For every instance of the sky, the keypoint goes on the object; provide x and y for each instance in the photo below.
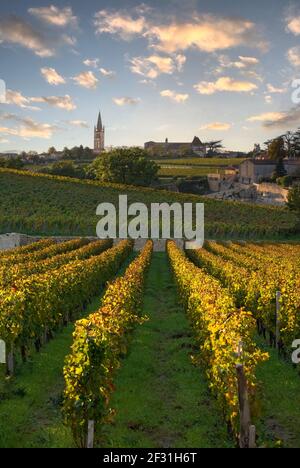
(220, 70)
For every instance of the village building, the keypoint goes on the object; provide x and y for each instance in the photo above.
(254, 170)
(196, 147)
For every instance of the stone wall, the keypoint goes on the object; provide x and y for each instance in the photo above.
(272, 191)
(12, 240)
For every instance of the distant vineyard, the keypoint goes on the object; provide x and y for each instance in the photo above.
(48, 205)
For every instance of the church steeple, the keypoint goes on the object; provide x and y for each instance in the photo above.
(99, 134)
(99, 123)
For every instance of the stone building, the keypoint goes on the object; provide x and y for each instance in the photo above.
(252, 170)
(177, 148)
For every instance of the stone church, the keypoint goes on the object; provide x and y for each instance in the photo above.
(99, 136)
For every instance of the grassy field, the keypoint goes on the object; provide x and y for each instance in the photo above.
(194, 166)
(184, 171)
(206, 162)
(49, 205)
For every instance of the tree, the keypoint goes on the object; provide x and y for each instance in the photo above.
(67, 153)
(14, 163)
(213, 147)
(296, 143)
(128, 166)
(289, 140)
(276, 150)
(63, 168)
(88, 153)
(51, 150)
(280, 170)
(294, 200)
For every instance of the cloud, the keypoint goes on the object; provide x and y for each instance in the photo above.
(70, 40)
(248, 61)
(124, 25)
(293, 55)
(292, 20)
(16, 98)
(79, 123)
(283, 119)
(242, 63)
(225, 84)
(275, 90)
(252, 74)
(91, 63)
(151, 67)
(266, 117)
(28, 128)
(268, 99)
(177, 97)
(86, 80)
(107, 73)
(3, 140)
(31, 129)
(216, 126)
(180, 61)
(293, 25)
(61, 102)
(123, 101)
(52, 77)
(208, 33)
(8, 131)
(14, 30)
(55, 16)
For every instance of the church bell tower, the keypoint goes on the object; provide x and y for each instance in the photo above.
(99, 134)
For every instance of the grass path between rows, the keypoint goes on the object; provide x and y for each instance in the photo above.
(161, 399)
(279, 420)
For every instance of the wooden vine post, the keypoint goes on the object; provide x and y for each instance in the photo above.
(7, 358)
(2, 352)
(277, 332)
(247, 438)
(90, 434)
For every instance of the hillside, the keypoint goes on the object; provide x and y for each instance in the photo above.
(43, 204)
